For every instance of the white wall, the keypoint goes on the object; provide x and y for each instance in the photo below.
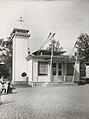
(36, 77)
(20, 52)
(30, 70)
(77, 71)
(35, 71)
(42, 78)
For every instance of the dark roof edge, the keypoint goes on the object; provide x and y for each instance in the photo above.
(19, 29)
(66, 57)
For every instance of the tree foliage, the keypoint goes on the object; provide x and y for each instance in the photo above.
(6, 56)
(82, 46)
(56, 46)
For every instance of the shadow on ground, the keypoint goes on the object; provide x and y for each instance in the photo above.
(82, 83)
(5, 102)
(9, 93)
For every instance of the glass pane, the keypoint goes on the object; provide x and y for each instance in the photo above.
(59, 72)
(59, 69)
(54, 65)
(54, 72)
(70, 68)
(59, 65)
(42, 68)
(54, 69)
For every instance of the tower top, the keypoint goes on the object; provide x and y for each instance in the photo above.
(20, 32)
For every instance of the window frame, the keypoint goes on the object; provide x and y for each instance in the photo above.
(40, 63)
(71, 72)
(60, 69)
(54, 69)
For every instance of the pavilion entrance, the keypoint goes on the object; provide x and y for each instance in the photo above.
(57, 73)
(62, 71)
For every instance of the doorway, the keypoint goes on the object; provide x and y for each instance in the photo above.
(56, 71)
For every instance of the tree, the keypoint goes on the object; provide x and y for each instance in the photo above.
(82, 46)
(6, 57)
(56, 46)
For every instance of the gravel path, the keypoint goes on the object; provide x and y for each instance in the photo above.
(64, 102)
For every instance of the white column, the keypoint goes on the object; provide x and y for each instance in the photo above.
(65, 71)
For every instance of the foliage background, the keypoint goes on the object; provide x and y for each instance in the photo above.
(6, 58)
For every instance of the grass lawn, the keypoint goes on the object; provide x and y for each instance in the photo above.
(63, 102)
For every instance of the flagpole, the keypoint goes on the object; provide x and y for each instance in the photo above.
(51, 58)
(51, 63)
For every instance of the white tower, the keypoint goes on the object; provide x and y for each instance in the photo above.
(20, 38)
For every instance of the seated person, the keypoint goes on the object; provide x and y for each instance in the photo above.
(4, 86)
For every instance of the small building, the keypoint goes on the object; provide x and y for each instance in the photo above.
(86, 72)
(87, 69)
(39, 66)
(63, 68)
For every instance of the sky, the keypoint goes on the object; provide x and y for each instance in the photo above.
(67, 18)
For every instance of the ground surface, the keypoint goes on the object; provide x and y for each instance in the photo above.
(63, 102)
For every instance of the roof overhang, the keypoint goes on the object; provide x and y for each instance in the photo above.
(62, 58)
(47, 52)
(20, 30)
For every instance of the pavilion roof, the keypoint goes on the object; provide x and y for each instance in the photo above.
(48, 52)
(61, 58)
